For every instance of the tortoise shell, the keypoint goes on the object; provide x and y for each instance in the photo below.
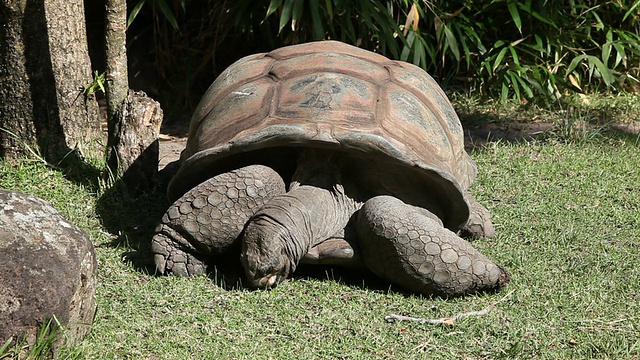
(390, 117)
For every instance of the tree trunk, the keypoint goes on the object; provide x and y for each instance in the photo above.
(116, 57)
(44, 65)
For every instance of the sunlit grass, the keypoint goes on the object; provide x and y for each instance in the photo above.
(567, 216)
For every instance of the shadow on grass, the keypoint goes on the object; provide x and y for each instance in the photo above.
(356, 278)
(131, 215)
(572, 124)
(228, 274)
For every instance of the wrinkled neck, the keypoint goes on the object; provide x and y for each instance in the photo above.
(317, 207)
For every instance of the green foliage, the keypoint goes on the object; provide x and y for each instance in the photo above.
(96, 84)
(518, 49)
(42, 346)
(370, 24)
(543, 48)
(161, 5)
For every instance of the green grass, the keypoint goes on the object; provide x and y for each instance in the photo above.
(567, 215)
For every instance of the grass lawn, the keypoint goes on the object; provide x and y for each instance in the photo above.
(567, 216)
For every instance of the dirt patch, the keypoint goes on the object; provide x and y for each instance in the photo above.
(632, 127)
(513, 132)
(170, 149)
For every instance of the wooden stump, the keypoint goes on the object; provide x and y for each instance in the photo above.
(133, 149)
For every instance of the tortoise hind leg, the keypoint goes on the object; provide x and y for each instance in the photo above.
(207, 220)
(479, 224)
(404, 245)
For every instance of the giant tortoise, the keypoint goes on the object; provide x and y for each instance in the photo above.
(372, 155)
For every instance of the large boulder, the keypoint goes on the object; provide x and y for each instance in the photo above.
(47, 268)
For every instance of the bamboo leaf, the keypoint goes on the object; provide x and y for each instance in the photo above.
(591, 66)
(537, 80)
(404, 55)
(412, 20)
(545, 20)
(514, 55)
(604, 71)
(166, 11)
(527, 89)
(606, 52)
(504, 95)
(620, 54)
(606, 47)
(539, 45)
(457, 12)
(498, 61)
(575, 62)
(134, 12)
(297, 14)
(631, 10)
(286, 14)
(273, 6)
(515, 43)
(452, 42)
(418, 53)
(317, 25)
(513, 9)
(599, 22)
(486, 65)
(329, 5)
(465, 47)
(423, 53)
(574, 82)
(514, 83)
(473, 35)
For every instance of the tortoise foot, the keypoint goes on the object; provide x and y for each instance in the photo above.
(479, 224)
(403, 245)
(175, 257)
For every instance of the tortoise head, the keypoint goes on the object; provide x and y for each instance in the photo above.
(266, 258)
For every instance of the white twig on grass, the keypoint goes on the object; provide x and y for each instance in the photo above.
(448, 320)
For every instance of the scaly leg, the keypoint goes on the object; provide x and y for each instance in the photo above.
(479, 224)
(207, 220)
(400, 243)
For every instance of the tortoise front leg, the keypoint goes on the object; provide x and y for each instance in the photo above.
(207, 220)
(402, 244)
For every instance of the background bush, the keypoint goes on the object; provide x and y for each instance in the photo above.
(528, 49)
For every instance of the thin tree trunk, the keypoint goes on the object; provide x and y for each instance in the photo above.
(116, 57)
(44, 65)
(134, 119)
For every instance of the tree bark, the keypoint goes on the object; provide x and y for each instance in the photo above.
(44, 65)
(116, 57)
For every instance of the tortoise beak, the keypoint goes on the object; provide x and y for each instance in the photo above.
(264, 273)
(265, 282)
